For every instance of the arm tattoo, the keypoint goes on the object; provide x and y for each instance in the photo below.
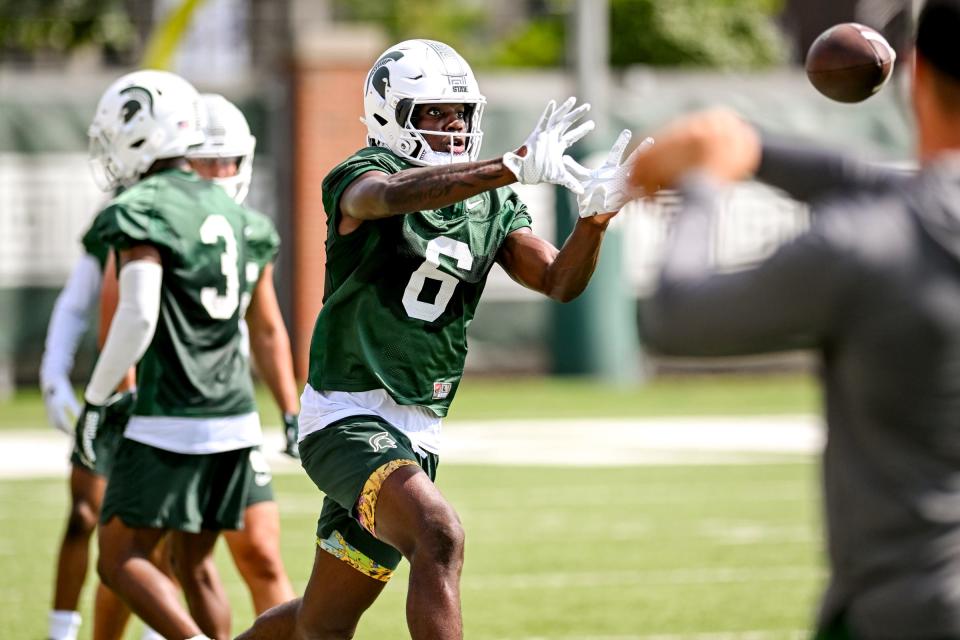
(436, 187)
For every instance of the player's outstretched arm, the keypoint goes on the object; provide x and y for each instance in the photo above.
(270, 345)
(376, 195)
(540, 159)
(563, 274)
(68, 322)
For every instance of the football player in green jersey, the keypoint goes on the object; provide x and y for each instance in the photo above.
(88, 479)
(415, 223)
(183, 464)
(226, 158)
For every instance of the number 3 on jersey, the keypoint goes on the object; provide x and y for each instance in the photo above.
(221, 307)
(430, 270)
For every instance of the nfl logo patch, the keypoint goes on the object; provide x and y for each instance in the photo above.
(441, 390)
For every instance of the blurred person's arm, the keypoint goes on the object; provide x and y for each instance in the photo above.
(133, 323)
(270, 346)
(68, 322)
(789, 301)
(808, 173)
(109, 295)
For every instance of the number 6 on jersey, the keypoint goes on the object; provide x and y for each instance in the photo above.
(430, 269)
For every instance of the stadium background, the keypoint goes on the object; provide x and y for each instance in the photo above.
(296, 68)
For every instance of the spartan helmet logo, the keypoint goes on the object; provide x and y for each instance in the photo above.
(137, 98)
(381, 441)
(379, 76)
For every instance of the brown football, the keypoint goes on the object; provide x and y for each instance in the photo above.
(849, 62)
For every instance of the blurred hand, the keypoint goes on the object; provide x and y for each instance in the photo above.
(86, 431)
(606, 189)
(717, 142)
(62, 406)
(291, 433)
(540, 159)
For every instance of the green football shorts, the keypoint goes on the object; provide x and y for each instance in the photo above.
(159, 489)
(108, 437)
(349, 460)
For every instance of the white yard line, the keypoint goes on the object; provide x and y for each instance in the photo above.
(702, 440)
(601, 442)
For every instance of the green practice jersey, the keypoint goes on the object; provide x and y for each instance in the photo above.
(401, 292)
(92, 240)
(263, 244)
(193, 367)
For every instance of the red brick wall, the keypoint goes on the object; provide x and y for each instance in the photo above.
(328, 103)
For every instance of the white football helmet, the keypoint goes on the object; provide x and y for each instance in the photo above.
(420, 72)
(227, 135)
(143, 117)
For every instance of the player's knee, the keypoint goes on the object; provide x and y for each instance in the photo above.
(442, 537)
(107, 568)
(260, 562)
(192, 574)
(82, 520)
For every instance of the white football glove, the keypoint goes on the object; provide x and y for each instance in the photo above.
(606, 189)
(545, 145)
(62, 406)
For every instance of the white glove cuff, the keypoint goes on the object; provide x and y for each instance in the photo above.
(514, 163)
(131, 330)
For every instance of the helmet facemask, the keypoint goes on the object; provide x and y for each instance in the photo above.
(228, 138)
(103, 164)
(419, 139)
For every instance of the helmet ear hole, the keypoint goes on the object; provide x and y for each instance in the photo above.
(379, 118)
(404, 107)
(468, 111)
(138, 143)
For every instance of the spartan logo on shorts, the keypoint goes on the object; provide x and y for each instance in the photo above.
(381, 441)
(441, 390)
(261, 468)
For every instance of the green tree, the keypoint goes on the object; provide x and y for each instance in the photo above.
(702, 33)
(59, 26)
(463, 24)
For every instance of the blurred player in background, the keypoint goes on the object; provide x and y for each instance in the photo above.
(874, 287)
(183, 464)
(226, 157)
(415, 223)
(88, 478)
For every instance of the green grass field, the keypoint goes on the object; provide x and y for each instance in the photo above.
(645, 552)
(551, 552)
